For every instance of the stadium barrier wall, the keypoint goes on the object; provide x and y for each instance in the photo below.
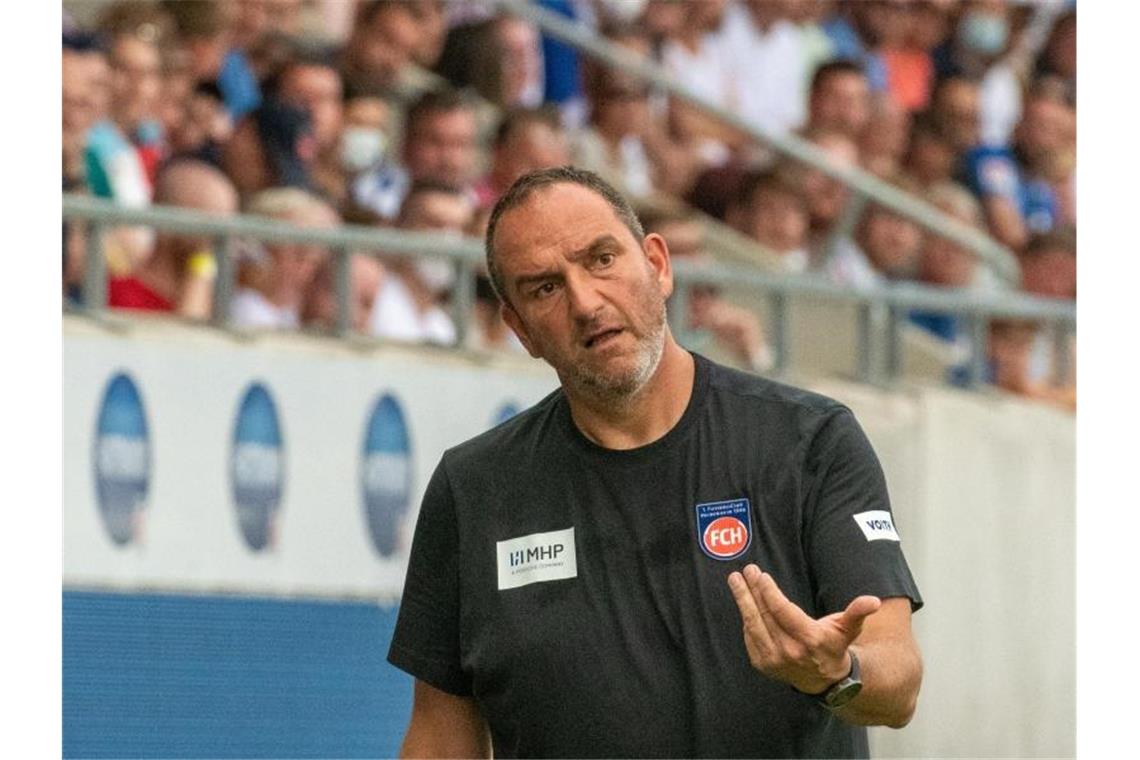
(238, 511)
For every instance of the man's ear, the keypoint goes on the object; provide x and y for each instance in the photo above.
(514, 321)
(657, 254)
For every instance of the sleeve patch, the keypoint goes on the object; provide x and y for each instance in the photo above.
(877, 525)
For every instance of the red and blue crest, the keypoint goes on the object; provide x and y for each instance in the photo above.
(724, 528)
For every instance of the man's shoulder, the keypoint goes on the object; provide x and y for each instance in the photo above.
(764, 394)
(506, 442)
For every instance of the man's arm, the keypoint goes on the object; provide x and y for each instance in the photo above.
(786, 644)
(444, 725)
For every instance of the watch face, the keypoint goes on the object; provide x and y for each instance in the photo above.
(843, 693)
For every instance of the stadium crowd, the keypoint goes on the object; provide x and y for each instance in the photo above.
(418, 114)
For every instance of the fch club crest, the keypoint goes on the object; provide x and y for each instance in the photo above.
(724, 528)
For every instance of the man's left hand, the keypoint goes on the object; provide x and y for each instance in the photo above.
(787, 644)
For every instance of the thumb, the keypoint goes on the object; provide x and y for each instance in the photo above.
(851, 619)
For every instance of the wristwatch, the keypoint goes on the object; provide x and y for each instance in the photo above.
(845, 689)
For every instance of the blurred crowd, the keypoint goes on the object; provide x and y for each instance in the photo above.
(418, 114)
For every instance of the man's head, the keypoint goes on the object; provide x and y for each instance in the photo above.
(892, 243)
(138, 31)
(931, 153)
(1047, 131)
(365, 274)
(295, 263)
(945, 262)
(205, 30)
(1049, 264)
(528, 139)
(86, 87)
(582, 286)
(839, 99)
(770, 210)
(309, 81)
(198, 186)
(435, 207)
(956, 105)
(440, 139)
(825, 197)
(384, 38)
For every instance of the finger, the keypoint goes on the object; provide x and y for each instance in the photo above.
(787, 617)
(750, 614)
(861, 608)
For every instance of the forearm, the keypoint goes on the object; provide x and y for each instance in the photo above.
(891, 671)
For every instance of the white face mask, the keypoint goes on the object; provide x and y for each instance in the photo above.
(438, 275)
(624, 10)
(361, 148)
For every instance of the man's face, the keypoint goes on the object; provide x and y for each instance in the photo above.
(432, 211)
(298, 263)
(316, 89)
(442, 147)
(534, 146)
(842, 103)
(891, 242)
(86, 92)
(136, 80)
(381, 48)
(958, 109)
(583, 294)
(777, 220)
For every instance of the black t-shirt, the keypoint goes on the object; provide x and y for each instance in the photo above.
(580, 596)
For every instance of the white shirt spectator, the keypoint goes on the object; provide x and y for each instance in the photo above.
(999, 98)
(769, 69)
(250, 308)
(382, 189)
(395, 316)
(850, 267)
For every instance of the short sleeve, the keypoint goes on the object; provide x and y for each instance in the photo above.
(851, 540)
(426, 640)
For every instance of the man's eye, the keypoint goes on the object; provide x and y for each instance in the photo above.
(605, 259)
(543, 290)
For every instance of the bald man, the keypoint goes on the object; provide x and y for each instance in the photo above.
(178, 277)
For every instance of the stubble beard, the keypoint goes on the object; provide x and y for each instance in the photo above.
(616, 389)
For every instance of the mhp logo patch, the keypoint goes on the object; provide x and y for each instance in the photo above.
(724, 528)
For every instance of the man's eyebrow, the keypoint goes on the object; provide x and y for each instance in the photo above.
(602, 241)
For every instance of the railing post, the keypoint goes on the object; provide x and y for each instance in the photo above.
(224, 284)
(1062, 352)
(979, 348)
(865, 344)
(95, 270)
(678, 311)
(342, 287)
(463, 299)
(845, 225)
(894, 343)
(781, 343)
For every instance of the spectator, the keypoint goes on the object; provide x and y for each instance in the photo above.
(722, 330)
(527, 139)
(768, 63)
(431, 19)
(319, 308)
(884, 139)
(1049, 265)
(1019, 198)
(977, 50)
(826, 197)
(930, 156)
(839, 100)
(137, 32)
(86, 100)
(1045, 144)
(201, 126)
(409, 303)
(279, 275)
(885, 247)
(366, 138)
(769, 209)
(384, 38)
(179, 274)
(440, 146)
(1059, 57)
(955, 106)
(206, 33)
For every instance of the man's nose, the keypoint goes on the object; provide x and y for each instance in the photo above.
(583, 298)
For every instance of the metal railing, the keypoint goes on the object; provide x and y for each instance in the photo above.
(896, 300)
(863, 185)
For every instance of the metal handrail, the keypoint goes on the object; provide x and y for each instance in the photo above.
(865, 185)
(467, 253)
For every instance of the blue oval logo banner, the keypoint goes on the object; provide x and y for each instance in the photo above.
(506, 411)
(386, 474)
(257, 467)
(122, 459)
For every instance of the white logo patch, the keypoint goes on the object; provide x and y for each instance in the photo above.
(537, 557)
(877, 525)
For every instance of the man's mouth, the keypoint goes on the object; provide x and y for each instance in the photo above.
(601, 337)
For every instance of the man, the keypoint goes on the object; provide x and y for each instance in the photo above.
(179, 274)
(409, 303)
(840, 99)
(527, 139)
(579, 574)
(384, 39)
(771, 211)
(440, 146)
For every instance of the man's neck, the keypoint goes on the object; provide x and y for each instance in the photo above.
(647, 415)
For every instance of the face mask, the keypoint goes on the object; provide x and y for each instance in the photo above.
(624, 10)
(983, 33)
(438, 275)
(361, 148)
